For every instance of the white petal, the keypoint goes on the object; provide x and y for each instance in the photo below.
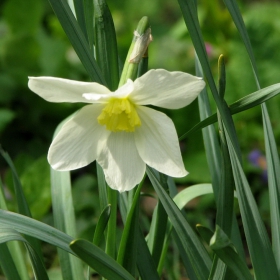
(157, 142)
(125, 89)
(63, 90)
(79, 141)
(122, 165)
(171, 90)
(121, 92)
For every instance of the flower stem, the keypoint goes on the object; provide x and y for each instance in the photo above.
(112, 223)
(141, 40)
(138, 48)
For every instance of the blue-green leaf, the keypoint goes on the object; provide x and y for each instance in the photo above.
(99, 261)
(261, 254)
(196, 252)
(8, 234)
(77, 39)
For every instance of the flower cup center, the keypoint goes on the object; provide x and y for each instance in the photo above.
(119, 115)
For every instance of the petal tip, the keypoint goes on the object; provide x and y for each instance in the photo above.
(180, 174)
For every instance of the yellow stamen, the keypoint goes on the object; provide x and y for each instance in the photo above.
(119, 115)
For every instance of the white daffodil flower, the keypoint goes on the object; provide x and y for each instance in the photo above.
(117, 129)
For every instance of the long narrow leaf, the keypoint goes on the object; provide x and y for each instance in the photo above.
(239, 23)
(158, 227)
(8, 234)
(145, 263)
(80, 14)
(123, 205)
(212, 149)
(112, 223)
(254, 229)
(21, 200)
(97, 259)
(261, 255)
(102, 187)
(187, 262)
(13, 253)
(7, 263)
(273, 167)
(89, 12)
(106, 44)
(255, 98)
(189, 11)
(197, 254)
(226, 189)
(224, 199)
(59, 239)
(64, 220)
(223, 247)
(127, 258)
(270, 144)
(186, 195)
(191, 273)
(64, 217)
(101, 225)
(214, 159)
(36, 229)
(77, 39)
(245, 103)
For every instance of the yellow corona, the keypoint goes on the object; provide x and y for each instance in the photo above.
(119, 115)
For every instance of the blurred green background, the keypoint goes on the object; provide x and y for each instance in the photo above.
(32, 43)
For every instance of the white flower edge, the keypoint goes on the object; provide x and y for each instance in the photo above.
(171, 90)
(63, 90)
(157, 143)
(78, 141)
(123, 156)
(122, 165)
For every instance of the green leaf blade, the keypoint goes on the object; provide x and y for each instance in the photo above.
(255, 231)
(8, 234)
(80, 14)
(7, 263)
(239, 23)
(21, 200)
(106, 44)
(77, 39)
(127, 258)
(273, 167)
(224, 249)
(98, 260)
(64, 220)
(145, 263)
(158, 228)
(101, 225)
(13, 252)
(197, 254)
(35, 229)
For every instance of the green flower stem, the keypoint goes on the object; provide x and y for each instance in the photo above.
(140, 42)
(112, 223)
(127, 258)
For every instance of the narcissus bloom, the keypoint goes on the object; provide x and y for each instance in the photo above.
(116, 129)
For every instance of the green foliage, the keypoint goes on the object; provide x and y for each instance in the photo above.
(36, 185)
(32, 42)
